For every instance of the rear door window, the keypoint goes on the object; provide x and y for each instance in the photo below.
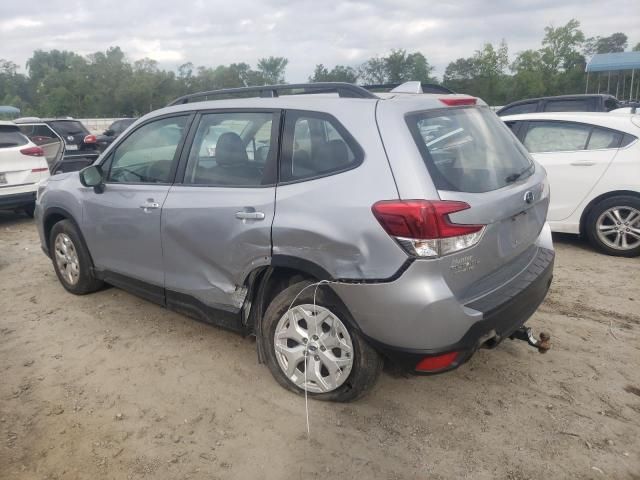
(520, 108)
(468, 149)
(573, 105)
(315, 145)
(231, 149)
(602, 138)
(548, 136)
(69, 127)
(11, 137)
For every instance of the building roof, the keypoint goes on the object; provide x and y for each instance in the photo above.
(608, 62)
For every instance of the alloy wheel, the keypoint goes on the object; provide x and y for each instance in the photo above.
(313, 348)
(619, 228)
(67, 258)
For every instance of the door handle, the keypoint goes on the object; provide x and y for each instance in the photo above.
(149, 205)
(245, 215)
(583, 164)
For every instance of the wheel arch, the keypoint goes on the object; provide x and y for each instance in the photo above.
(600, 198)
(55, 215)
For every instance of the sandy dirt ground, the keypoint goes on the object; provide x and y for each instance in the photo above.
(108, 386)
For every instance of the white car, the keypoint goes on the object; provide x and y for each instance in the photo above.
(593, 165)
(22, 167)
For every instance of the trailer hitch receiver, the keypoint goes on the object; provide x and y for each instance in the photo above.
(543, 343)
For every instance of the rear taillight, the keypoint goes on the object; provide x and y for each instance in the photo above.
(423, 227)
(32, 151)
(38, 170)
(457, 101)
(90, 139)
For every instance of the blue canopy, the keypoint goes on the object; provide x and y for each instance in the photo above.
(609, 62)
(9, 110)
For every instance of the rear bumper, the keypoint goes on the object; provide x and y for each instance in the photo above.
(417, 315)
(17, 200)
(503, 312)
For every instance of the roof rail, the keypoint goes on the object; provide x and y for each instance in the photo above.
(426, 87)
(347, 90)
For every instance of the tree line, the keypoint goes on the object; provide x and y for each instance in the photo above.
(106, 84)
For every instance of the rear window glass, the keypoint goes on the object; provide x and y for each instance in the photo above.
(468, 149)
(11, 137)
(66, 127)
(520, 108)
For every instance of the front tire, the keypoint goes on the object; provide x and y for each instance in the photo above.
(613, 226)
(317, 337)
(71, 259)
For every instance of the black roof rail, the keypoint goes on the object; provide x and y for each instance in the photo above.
(426, 87)
(346, 90)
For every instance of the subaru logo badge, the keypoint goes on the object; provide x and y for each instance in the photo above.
(529, 197)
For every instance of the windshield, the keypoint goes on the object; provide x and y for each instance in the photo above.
(469, 149)
(66, 127)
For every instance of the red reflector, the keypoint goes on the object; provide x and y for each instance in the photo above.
(437, 362)
(36, 170)
(456, 102)
(90, 139)
(421, 219)
(32, 151)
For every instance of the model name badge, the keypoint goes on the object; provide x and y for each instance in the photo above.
(463, 264)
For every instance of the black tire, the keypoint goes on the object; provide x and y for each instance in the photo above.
(29, 210)
(86, 281)
(366, 365)
(591, 224)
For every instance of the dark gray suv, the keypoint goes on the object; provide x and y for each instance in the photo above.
(338, 226)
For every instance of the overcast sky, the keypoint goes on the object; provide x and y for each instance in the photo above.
(213, 32)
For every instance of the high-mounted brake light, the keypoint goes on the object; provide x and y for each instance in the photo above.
(457, 101)
(423, 227)
(90, 139)
(32, 151)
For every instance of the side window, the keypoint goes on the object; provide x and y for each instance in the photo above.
(513, 126)
(627, 139)
(556, 136)
(577, 105)
(611, 104)
(315, 144)
(520, 108)
(603, 138)
(148, 154)
(231, 150)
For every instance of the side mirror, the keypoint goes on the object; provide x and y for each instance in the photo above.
(91, 176)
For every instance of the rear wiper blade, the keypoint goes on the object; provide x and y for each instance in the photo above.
(515, 176)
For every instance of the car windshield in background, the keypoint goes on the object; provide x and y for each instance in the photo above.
(11, 137)
(66, 127)
(468, 149)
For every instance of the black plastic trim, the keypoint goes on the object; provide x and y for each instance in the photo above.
(316, 271)
(17, 200)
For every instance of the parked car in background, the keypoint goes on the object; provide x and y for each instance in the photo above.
(67, 143)
(420, 216)
(113, 132)
(562, 103)
(593, 164)
(22, 167)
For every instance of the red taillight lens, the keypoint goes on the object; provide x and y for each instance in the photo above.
(423, 227)
(421, 219)
(32, 151)
(38, 170)
(437, 362)
(90, 139)
(457, 102)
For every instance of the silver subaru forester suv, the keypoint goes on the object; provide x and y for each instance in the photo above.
(338, 226)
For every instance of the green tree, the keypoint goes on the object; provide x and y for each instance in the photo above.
(271, 70)
(616, 42)
(339, 73)
(636, 48)
(561, 46)
(397, 67)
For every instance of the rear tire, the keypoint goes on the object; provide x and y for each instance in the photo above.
(613, 226)
(340, 365)
(71, 259)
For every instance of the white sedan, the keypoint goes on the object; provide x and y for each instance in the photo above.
(593, 165)
(22, 167)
